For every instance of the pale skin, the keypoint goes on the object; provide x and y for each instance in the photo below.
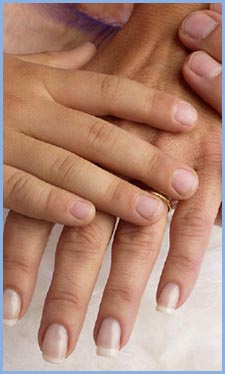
(120, 291)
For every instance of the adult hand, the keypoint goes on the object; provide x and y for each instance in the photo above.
(201, 31)
(83, 248)
(135, 249)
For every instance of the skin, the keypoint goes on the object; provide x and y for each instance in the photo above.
(136, 239)
(49, 184)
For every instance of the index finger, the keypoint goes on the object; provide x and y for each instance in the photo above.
(102, 95)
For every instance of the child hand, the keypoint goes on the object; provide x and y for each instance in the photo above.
(53, 140)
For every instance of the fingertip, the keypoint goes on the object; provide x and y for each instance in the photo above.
(185, 115)
(83, 211)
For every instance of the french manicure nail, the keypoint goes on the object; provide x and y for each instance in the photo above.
(184, 181)
(108, 340)
(12, 306)
(168, 298)
(185, 114)
(54, 346)
(81, 209)
(204, 65)
(199, 25)
(147, 206)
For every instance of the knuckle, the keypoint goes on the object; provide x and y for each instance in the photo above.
(184, 263)
(16, 266)
(150, 100)
(110, 86)
(135, 242)
(154, 162)
(194, 225)
(65, 299)
(115, 191)
(17, 186)
(211, 152)
(63, 167)
(128, 294)
(85, 240)
(100, 134)
(48, 201)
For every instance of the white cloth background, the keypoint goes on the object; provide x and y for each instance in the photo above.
(189, 340)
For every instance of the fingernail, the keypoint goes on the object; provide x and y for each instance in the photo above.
(199, 25)
(81, 209)
(184, 181)
(147, 206)
(12, 306)
(54, 346)
(168, 298)
(185, 114)
(108, 340)
(204, 65)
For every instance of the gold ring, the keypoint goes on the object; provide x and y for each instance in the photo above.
(165, 199)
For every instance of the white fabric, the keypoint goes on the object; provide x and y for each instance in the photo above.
(188, 340)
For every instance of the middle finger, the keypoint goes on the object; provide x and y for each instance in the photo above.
(78, 259)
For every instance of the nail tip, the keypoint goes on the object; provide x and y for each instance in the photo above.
(165, 310)
(10, 322)
(106, 352)
(52, 360)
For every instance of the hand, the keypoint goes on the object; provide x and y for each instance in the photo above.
(135, 249)
(20, 229)
(83, 248)
(47, 169)
(201, 31)
(209, 54)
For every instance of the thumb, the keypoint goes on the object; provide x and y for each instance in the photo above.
(73, 59)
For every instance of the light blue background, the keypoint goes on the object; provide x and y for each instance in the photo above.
(1, 191)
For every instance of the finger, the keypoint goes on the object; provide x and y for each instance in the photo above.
(134, 253)
(216, 7)
(204, 75)
(102, 95)
(189, 236)
(202, 30)
(24, 243)
(114, 14)
(78, 259)
(70, 172)
(73, 59)
(30, 196)
(113, 148)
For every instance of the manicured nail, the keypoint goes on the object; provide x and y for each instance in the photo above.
(184, 181)
(81, 209)
(204, 65)
(168, 298)
(198, 25)
(147, 206)
(12, 306)
(108, 340)
(185, 114)
(54, 346)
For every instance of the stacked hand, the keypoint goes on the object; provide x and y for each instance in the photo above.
(135, 248)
